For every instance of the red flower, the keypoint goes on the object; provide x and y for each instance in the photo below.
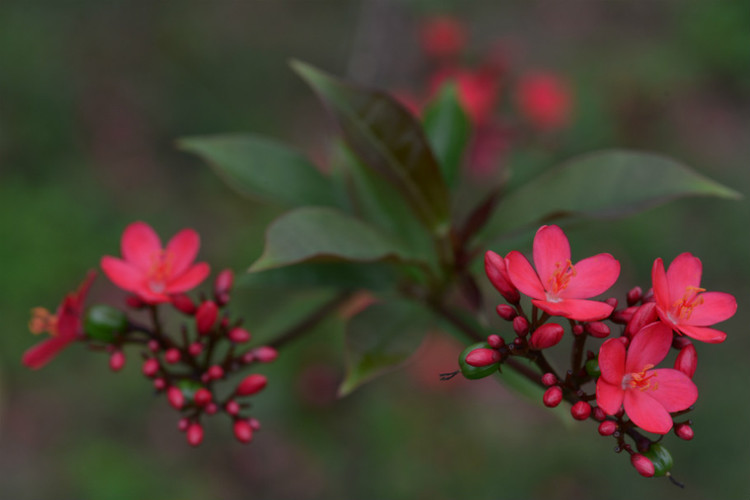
(544, 100)
(478, 90)
(153, 272)
(65, 326)
(557, 286)
(443, 36)
(684, 306)
(628, 379)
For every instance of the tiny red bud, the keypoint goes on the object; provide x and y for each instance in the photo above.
(581, 410)
(680, 341)
(232, 407)
(172, 355)
(506, 312)
(248, 357)
(552, 396)
(687, 360)
(183, 424)
(520, 325)
(223, 283)
(211, 408)
(205, 378)
(150, 367)
(649, 296)
(494, 266)
(117, 361)
(195, 349)
(607, 428)
(183, 303)
(634, 295)
(597, 329)
(622, 316)
(224, 322)
(642, 464)
(153, 346)
(252, 384)
(242, 431)
(549, 379)
(684, 431)
(175, 397)
(599, 414)
(194, 434)
(495, 341)
(215, 372)
(202, 397)
(265, 354)
(546, 336)
(577, 329)
(482, 357)
(612, 302)
(644, 315)
(160, 384)
(206, 316)
(254, 423)
(135, 302)
(239, 335)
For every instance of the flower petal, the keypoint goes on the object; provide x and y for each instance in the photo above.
(704, 334)
(661, 285)
(139, 244)
(189, 279)
(609, 397)
(551, 249)
(42, 353)
(674, 390)
(580, 310)
(183, 248)
(122, 273)
(715, 308)
(646, 412)
(648, 347)
(684, 271)
(523, 276)
(612, 362)
(593, 276)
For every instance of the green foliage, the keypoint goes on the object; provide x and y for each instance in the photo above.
(448, 130)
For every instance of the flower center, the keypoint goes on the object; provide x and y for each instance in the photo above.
(160, 270)
(640, 380)
(42, 321)
(559, 280)
(683, 308)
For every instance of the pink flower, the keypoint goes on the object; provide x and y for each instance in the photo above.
(64, 326)
(443, 36)
(478, 90)
(153, 272)
(544, 100)
(648, 395)
(684, 306)
(557, 286)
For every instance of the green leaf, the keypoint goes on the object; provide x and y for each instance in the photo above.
(343, 275)
(263, 168)
(601, 184)
(448, 130)
(317, 233)
(380, 338)
(388, 139)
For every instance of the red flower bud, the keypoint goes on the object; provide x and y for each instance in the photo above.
(215, 372)
(239, 335)
(248, 357)
(597, 329)
(172, 355)
(599, 414)
(117, 361)
(684, 431)
(634, 295)
(649, 296)
(482, 357)
(577, 329)
(183, 424)
(202, 397)
(232, 407)
(205, 316)
(643, 316)
(622, 316)
(544, 100)
(546, 336)
(549, 379)
(194, 434)
(687, 360)
(506, 312)
(135, 302)
(223, 285)
(643, 465)
(252, 384)
(552, 396)
(494, 266)
(581, 410)
(160, 384)
(175, 397)
(254, 424)
(153, 346)
(612, 302)
(183, 303)
(242, 431)
(195, 349)
(150, 367)
(442, 36)
(265, 354)
(495, 341)
(520, 325)
(607, 428)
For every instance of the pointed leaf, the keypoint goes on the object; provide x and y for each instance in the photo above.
(262, 168)
(342, 275)
(448, 130)
(388, 139)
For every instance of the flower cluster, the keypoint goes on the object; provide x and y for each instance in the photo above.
(631, 393)
(191, 368)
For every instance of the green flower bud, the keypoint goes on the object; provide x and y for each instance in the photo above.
(104, 322)
(661, 458)
(475, 372)
(189, 388)
(592, 368)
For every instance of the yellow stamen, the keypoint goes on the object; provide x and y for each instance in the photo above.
(641, 380)
(42, 321)
(683, 308)
(561, 277)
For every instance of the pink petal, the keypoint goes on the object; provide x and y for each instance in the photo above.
(580, 310)
(648, 347)
(594, 275)
(609, 397)
(139, 244)
(661, 285)
(189, 280)
(183, 248)
(703, 334)
(612, 361)
(674, 390)
(551, 249)
(646, 412)
(523, 276)
(122, 274)
(716, 307)
(684, 271)
(42, 353)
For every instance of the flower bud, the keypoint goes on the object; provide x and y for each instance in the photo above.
(223, 285)
(622, 316)
(520, 326)
(117, 360)
(183, 303)
(581, 410)
(607, 428)
(202, 396)
(660, 457)
(497, 272)
(642, 464)
(265, 354)
(552, 396)
(599, 414)
(687, 360)
(612, 302)
(546, 336)
(252, 384)
(684, 431)
(211, 408)
(189, 388)
(194, 434)
(175, 397)
(634, 295)
(160, 384)
(242, 431)
(232, 407)
(549, 379)
(195, 349)
(215, 372)
(135, 302)
(643, 316)
(150, 367)
(495, 341)
(254, 424)
(103, 322)
(506, 312)
(592, 368)
(577, 329)
(648, 296)
(482, 357)
(597, 329)
(183, 424)
(476, 372)
(239, 335)
(153, 346)
(205, 317)
(172, 355)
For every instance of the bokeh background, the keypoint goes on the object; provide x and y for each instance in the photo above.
(93, 95)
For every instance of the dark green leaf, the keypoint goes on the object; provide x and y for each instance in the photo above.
(602, 184)
(345, 275)
(380, 338)
(263, 168)
(448, 129)
(388, 139)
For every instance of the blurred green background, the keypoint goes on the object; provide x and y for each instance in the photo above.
(93, 95)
